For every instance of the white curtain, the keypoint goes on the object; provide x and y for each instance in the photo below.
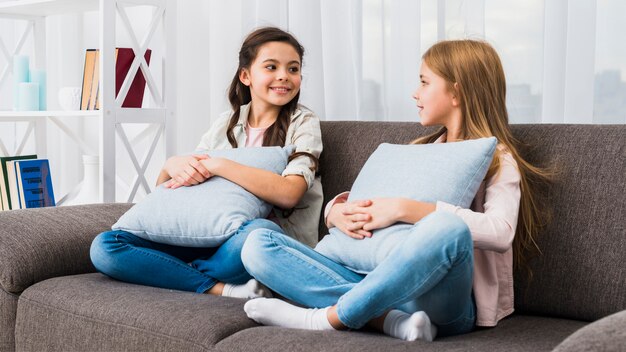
(564, 59)
(561, 57)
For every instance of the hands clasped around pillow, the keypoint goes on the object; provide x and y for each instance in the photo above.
(186, 170)
(383, 205)
(359, 218)
(208, 213)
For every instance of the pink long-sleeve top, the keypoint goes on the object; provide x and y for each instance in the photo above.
(492, 220)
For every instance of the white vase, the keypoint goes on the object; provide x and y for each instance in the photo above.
(69, 98)
(90, 190)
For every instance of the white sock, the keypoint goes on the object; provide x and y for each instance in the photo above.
(280, 313)
(409, 327)
(251, 289)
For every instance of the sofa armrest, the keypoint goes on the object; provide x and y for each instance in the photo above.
(38, 244)
(606, 335)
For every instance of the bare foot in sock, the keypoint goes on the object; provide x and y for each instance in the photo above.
(409, 327)
(251, 289)
(280, 313)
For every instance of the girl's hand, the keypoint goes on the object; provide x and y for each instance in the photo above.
(186, 170)
(349, 217)
(384, 212)
(388, 211)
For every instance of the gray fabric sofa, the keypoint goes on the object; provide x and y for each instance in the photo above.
(53, 300)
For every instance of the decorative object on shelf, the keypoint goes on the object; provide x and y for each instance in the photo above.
(90, 97)
(28, 96)
(69, 98)
(89, 192)
(39, 76)
(21, 74)
(29, 92)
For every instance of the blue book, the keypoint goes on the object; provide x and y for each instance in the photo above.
(34, 183)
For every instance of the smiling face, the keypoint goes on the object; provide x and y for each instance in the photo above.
(274, 76)
(437, 104)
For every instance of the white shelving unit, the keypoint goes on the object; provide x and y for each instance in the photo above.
(111, 115)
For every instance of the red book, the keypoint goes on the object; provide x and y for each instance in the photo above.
(123, 60)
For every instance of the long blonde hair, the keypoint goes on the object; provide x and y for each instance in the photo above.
(475, 68)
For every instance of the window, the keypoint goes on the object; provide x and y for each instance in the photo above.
(610, 66)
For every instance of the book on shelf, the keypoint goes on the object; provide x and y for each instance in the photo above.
(34, 183)
(6, 162)
(88, 79)
(95, 84)
(124, 57)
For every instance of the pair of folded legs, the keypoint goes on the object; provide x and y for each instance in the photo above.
(421, 288)
(126, 257)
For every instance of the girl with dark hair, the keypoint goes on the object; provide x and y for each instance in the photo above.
(264, 97)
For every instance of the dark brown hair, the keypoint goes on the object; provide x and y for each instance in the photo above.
(239, 93)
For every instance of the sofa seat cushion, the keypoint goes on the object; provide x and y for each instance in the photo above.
(516, 333)
(92, 312)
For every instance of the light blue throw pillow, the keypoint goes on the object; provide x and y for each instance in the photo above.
(207, 214)
(448, 172)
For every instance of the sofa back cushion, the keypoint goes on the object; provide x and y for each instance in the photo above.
(581, 273)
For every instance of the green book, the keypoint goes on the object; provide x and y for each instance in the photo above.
(4, 182)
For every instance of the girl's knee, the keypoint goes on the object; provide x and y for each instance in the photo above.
(102, 242)
(448, 222)
(261, 224)
(98, 250)
(103, 248)
(444, 228)
(254, 248)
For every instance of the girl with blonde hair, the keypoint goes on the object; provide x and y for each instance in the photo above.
(461, 260)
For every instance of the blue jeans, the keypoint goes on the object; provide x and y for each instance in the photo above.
(126, 257)
(431, 270)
